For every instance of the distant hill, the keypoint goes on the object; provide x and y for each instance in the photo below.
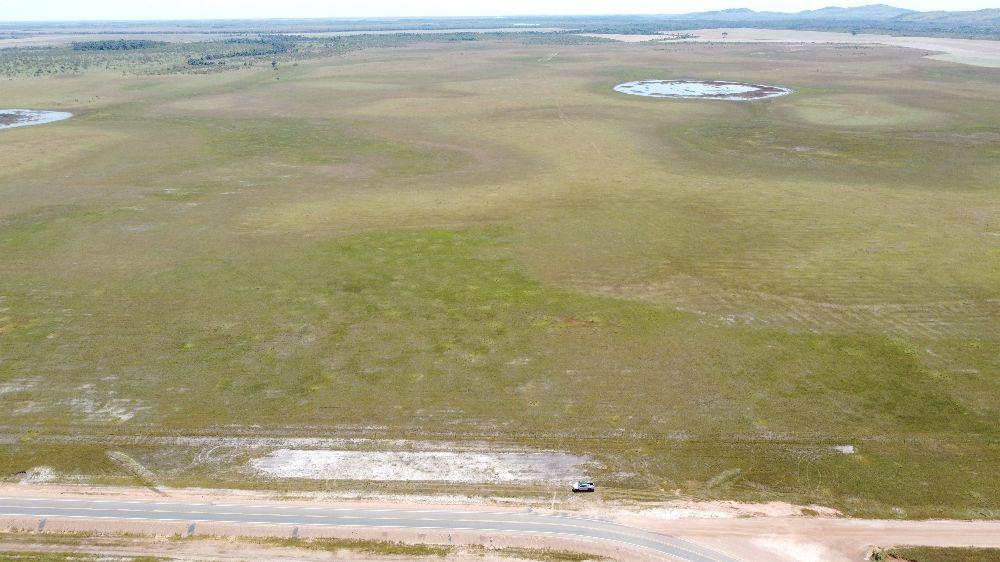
(989, 16)
(870, 13)
(873, 18)
(733, 14)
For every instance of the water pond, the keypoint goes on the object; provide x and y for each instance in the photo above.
(10, 118)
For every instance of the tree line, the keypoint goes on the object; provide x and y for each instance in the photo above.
(116, 45)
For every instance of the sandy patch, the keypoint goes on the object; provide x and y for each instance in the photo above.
(800, 551)
(975, 52)
(682, 509)
(422, 466)
(671, 513)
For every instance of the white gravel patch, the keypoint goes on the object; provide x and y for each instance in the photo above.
(39, 475)
(26, 117)
(698, 89)
(15, 386)
(106, 410)
(424, 466)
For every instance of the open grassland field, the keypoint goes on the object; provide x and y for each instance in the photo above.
(481, 242)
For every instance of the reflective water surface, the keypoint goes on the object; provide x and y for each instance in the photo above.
(10, 118)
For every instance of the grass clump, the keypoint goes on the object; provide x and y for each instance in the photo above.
(30, 556)
(937, 554)
(374, 547)
(542, 554)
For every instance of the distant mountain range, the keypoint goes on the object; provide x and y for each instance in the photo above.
(873, 18)
(870, 13)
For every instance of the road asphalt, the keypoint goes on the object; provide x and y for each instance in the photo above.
(502, 523)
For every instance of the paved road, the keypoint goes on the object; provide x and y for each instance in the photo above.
(295, 515)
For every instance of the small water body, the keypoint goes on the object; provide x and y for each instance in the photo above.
(701, 89)
(11, 118)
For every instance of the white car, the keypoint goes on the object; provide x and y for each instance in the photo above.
(583, 486)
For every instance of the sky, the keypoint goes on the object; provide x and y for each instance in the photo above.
(41, 10)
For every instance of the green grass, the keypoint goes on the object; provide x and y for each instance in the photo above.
(381, 548)
(303, 143)
(333, 545)
(29, 556)
(373, 547)
(74, 538)
(450, 307)
(939, 554)
(542, 555)
(446, 241)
